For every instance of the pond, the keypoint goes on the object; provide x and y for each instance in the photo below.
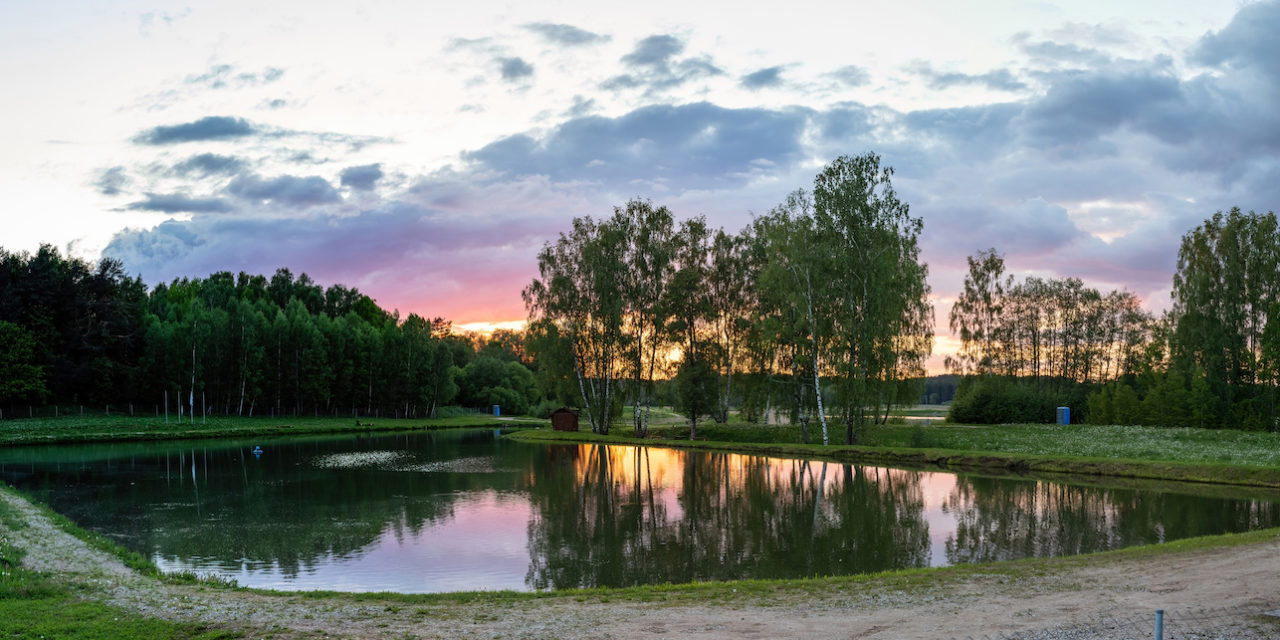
(464, 510)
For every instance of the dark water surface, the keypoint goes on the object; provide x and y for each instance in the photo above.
(455, 510)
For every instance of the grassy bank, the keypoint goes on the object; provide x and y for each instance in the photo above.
(35, 605)
(118, 427)
(1188, 455)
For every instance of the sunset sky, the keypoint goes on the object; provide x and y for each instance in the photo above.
(424, 152)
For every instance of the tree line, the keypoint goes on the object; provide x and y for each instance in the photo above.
(245, 345)
(822, 304)
(1212, 360)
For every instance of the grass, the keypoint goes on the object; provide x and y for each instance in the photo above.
(66, 429)
(34, 605)
(1187, 446)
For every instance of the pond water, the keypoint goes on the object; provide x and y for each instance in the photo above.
(461, 510)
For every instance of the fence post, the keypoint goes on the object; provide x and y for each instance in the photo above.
(1159, 624)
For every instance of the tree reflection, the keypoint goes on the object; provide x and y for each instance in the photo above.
(1001, 518)
(723, 517)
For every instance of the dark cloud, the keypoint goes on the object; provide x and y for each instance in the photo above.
(1248, 42)
(287, 190)
(206, 128)
(851, 76)
(514, 69)
(112, 181)
(689, 144)
(228, 128)
(180, 203)
(767, 77)
(998, 79)
(1081, 108)
(566, 35)
(362, 178)
(208, 164)
(654, 64)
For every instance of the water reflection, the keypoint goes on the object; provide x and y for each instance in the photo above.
(467, 510)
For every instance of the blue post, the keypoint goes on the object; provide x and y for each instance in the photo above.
(1159, 624)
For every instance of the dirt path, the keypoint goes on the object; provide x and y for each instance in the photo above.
(1246, 577)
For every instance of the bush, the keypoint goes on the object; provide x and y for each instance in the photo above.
(1002, 401)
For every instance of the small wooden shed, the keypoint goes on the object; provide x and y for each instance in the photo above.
(564, 419)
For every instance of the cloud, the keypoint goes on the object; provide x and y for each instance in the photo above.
(664, 145)
(767, 77)
(565, 35)
(206, 128)
(1081, 108)
(112, 181)
(653, 64)
(958, 227)
(851, 76)
(998, 79)
(229, 128)
(361, 178)
(221, 76)
(514, 69)
(286, 190)
(581, 106)
(1248, 42)
(208, 164)
(402, 253)
(654, 51)
(180, 203)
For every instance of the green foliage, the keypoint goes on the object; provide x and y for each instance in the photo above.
(999, 400)
(20, 378)
(487, 381)
(1225, 293)
(695, 391)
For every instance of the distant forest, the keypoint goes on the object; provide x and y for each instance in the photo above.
(75, 333)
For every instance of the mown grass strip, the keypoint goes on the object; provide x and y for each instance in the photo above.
(64, 430)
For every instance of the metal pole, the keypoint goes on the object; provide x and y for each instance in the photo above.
(1159, 624)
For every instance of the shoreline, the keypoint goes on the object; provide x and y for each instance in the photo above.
(951, 459)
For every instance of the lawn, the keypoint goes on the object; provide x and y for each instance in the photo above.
(77, 428)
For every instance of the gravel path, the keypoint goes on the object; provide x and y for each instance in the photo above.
(1244, 578)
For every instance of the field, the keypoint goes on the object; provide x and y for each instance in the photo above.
(121, 427)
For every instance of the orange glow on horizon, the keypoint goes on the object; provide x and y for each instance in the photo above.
(487, 328)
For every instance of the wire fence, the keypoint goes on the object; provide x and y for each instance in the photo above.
(1246, 622)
